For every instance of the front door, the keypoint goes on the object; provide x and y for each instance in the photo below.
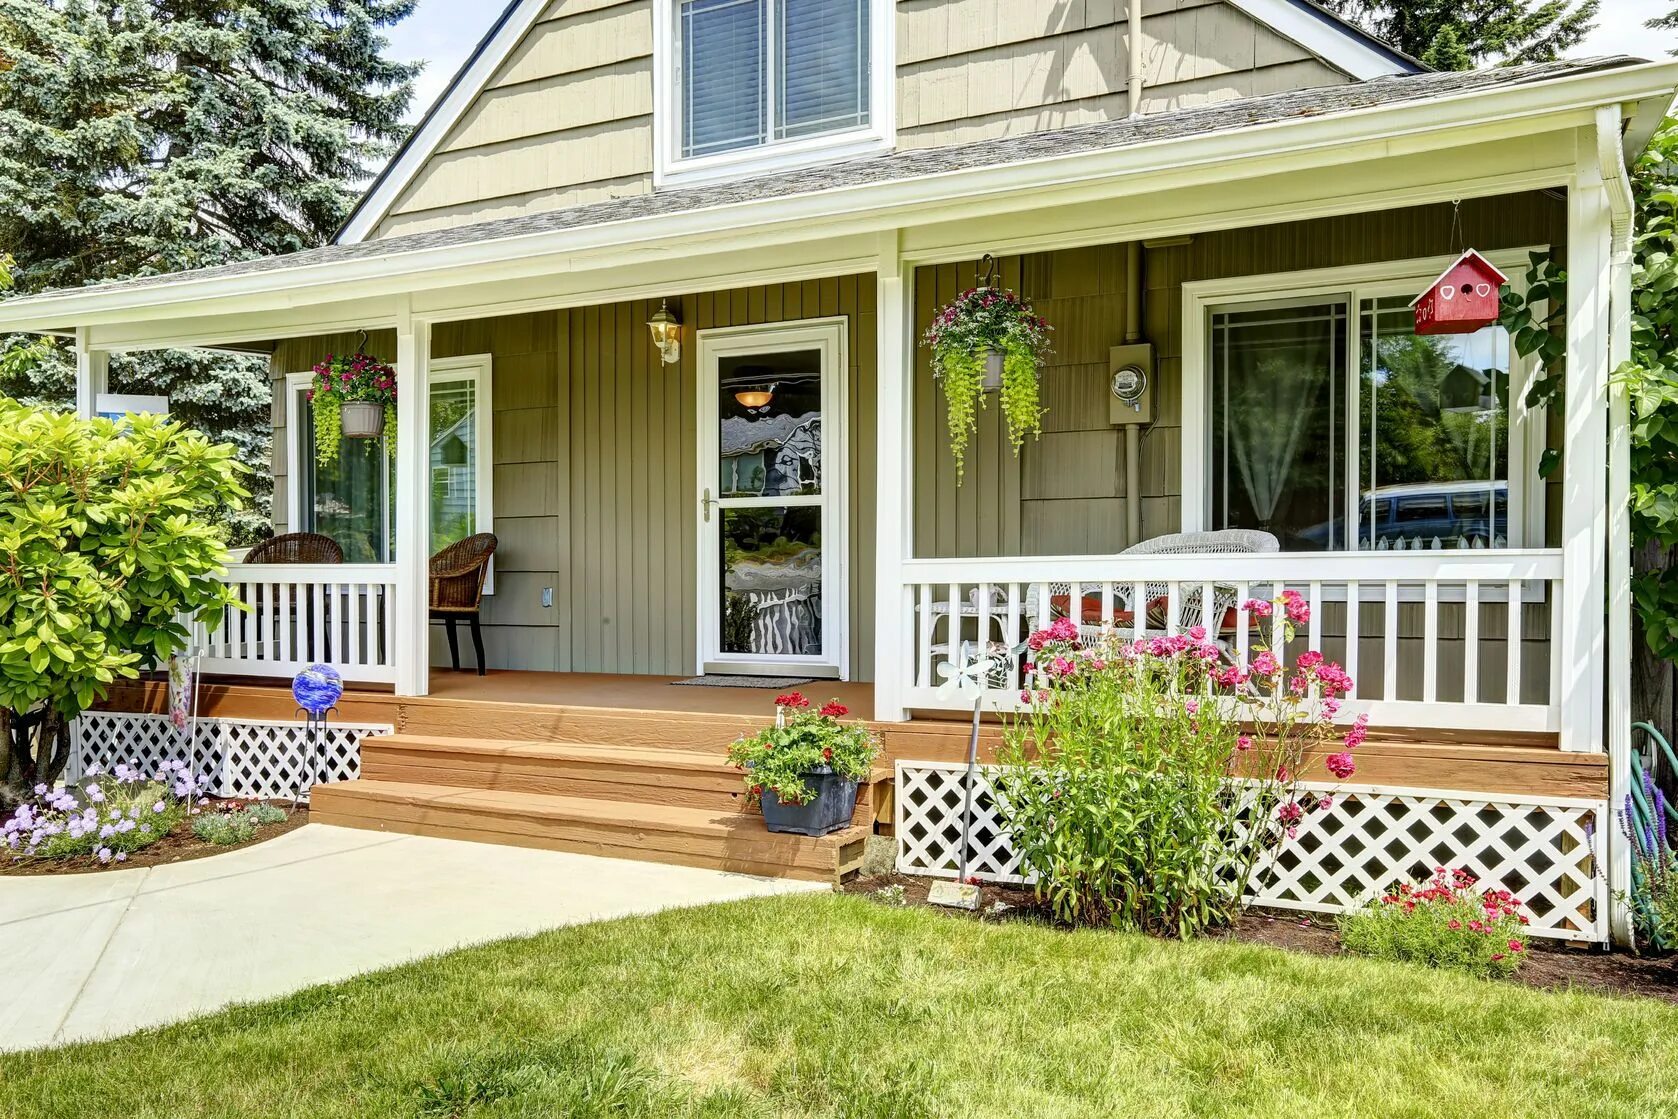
(772, 514)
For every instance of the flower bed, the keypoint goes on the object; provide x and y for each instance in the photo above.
(129, 818)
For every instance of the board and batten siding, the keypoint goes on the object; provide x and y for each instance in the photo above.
(1064, 494)
(568, 119)
(596, 490)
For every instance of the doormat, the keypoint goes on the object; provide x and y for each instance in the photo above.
(767, 683)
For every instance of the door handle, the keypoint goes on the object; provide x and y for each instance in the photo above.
(706, 502)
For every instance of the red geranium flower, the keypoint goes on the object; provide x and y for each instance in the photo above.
(794, 700)
(836, 710)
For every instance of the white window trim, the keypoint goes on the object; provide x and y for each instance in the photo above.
(478, 368)
(1357, 282)
(670, 169)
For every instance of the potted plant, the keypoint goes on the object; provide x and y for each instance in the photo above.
(989, 339)
(354, 397)
(804, 770)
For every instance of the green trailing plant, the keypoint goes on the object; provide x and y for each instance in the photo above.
(340, 380)
(977, 323)
(1144, 784)
(804, 741)
(108, 552)
(1445, 923)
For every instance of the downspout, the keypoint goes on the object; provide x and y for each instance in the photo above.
(1133, 32)
(1133, 432)
(1622, 208)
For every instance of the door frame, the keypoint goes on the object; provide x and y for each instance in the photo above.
(831, 336)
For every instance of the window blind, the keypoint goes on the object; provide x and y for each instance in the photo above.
(823, 66)
(723, 87)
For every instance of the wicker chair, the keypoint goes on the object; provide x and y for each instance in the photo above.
(297, 547)
(457, 590)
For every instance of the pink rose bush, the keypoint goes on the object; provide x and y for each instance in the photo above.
(1145, 782)
(1445, 922)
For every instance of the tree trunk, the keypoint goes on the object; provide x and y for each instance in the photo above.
(1653, 698)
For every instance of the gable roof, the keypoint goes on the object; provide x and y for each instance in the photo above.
(1121, 147)
(1341, 44)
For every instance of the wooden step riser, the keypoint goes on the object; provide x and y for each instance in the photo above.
(659, 730)
(440, 830)
(614, 781)
(757, 846)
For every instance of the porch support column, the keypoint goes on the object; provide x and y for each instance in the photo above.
(412, 624)
(1584, 529)
(93, 374)
(894, 498)
(1611, 160)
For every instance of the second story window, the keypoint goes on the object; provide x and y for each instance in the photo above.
(764, 84)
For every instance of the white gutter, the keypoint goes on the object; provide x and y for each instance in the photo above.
(888, 203)
(1622, 207)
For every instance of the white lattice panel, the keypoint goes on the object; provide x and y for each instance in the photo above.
(245, 757)
(1546, 850)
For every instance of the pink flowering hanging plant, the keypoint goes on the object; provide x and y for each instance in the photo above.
(977, 323)
(340, 380)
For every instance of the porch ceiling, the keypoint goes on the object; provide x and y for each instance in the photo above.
(1243, 138)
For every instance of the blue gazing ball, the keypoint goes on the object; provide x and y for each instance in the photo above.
(318, 689)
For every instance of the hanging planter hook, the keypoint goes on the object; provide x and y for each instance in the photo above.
(988, 271)
(361, 342)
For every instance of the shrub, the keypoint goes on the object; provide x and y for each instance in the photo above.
(1445, 923)
(1143, 782)
(106, 817)
(109, 549)
(234, 826)
(802, 742)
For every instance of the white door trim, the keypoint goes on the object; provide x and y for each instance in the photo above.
(831, 337)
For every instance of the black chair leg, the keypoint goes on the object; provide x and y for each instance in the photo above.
(478, 644)
(454, 643)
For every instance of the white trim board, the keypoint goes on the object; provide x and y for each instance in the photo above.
(1341, 45)
(1526, 494)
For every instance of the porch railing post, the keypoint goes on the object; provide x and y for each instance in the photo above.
(410, 620)
(1584, 541)
(894, 500)
(93, 373)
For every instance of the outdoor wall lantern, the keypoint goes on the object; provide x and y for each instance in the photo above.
(667, 334)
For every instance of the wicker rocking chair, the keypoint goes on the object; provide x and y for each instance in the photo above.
(457, 590)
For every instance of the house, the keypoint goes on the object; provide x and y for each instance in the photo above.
(1245, 195)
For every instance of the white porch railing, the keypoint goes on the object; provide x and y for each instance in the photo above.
(1463, 639)
(297, 615)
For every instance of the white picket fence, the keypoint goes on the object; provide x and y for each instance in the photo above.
(1455, 639)
(1548, 851)
(296, 615)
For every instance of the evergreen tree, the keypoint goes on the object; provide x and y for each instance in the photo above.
(148, 136)
(1463, 34)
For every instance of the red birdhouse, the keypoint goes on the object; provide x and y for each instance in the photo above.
(1466, 298)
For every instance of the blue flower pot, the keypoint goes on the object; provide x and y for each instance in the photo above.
(830, 811)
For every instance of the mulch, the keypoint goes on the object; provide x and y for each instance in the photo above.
(1550, 965)
(179, 846)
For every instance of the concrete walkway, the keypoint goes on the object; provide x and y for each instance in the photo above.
(125, 950)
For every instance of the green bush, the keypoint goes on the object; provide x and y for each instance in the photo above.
(1443, 923)
(231, 828)
(108, 547)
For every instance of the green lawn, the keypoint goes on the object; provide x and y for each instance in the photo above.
(839, 1006)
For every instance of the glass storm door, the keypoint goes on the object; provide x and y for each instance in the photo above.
(771, 476)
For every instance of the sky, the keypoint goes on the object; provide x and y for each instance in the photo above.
(443, 33)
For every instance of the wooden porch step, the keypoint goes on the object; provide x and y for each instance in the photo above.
(728, 840)
(680, 778)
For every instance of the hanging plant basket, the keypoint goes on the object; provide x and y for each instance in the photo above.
(361, 419)
(989, 340)
(354, 397)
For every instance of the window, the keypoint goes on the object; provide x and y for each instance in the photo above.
(1332, 425)
(748, 85)
(350, 500)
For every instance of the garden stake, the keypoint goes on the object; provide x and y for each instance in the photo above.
(963, 894)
